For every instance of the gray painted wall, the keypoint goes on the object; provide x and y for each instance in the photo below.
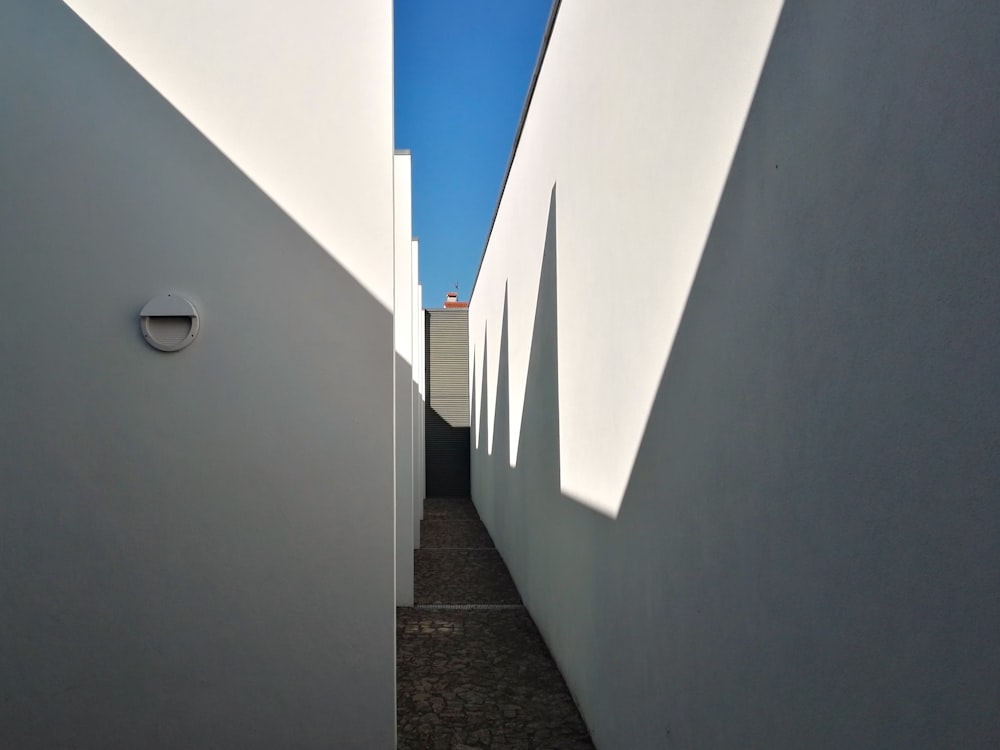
(196, 549)
(447, 406)
(807, 550)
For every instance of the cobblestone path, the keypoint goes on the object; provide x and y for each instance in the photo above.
(472, 670)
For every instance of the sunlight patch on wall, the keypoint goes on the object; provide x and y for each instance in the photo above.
(262, 83)
(639, 180)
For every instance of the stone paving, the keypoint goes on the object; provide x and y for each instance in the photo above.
(478, 576)
(452, 533)
(479, 676)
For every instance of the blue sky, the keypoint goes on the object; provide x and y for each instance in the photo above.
(462, 72)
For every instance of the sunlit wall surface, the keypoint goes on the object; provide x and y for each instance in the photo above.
(634, 121)
(418, 400)
(405, 272)
(733, 366)
(196, 548)
(268, 87)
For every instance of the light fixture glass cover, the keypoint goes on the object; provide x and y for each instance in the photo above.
(169, 322)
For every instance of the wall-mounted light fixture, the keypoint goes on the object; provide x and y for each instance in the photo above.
(169, 322)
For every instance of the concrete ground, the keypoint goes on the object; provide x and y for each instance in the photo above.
(472, 670)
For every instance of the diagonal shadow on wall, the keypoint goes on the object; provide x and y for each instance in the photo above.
(180, 531)
(473, 404)
(817, 470)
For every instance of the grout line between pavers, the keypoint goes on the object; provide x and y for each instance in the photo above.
(467, 519)
(468, 606)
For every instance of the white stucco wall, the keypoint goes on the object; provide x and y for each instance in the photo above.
(669, 160)
(734, 361)
(266, 85)
(422, 419)
(419, 402)
(418, 395)
(405, 272)
(196, 548)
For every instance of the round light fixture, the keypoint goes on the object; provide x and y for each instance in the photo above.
(169, 322)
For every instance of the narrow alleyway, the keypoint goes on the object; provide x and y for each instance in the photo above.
(472, 670)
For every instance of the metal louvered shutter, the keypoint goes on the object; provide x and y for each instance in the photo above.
(447, 409)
